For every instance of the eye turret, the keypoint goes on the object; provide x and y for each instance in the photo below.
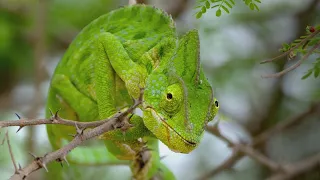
(172, 99)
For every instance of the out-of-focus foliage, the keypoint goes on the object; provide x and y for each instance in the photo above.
(232, 47)
(222, 5)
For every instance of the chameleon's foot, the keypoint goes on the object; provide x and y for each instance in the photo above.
(141, 164)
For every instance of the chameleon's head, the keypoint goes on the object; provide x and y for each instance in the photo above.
(178, 100)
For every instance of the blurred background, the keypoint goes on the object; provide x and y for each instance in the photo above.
(34, 35)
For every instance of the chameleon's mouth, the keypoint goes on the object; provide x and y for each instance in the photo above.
(159, 117)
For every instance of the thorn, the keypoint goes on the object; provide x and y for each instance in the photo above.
(79, 131)
(44, 166)
(34, 156)
(162, 157)
(17, 115)
(61, 164)
(72, 135)
(65, 159)
(20, 127)
(51, 113)
(56, 114)
(19, 166)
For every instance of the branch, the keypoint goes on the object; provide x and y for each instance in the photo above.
(227, 164)
(275, 75)
(293, 48)
(293, 170)
(264, 136)
(241, 150)
(55, 119)
(11, 153)
(117, 121)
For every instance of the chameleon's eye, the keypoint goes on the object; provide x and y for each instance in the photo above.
(172, 99)
(216, 103)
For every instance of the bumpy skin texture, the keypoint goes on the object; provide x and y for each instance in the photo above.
(107, 64)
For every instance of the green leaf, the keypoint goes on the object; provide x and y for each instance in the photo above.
(257, 1)
(207, 4)
(286, 46)
(203, 9)
(218, 13)
(232, 2)
(314, 41)
(257, 7)
(228, 4)
(307, 75)
(247, 2)
(199, 14)
(316, 71)
(225, 9)
(251, 6)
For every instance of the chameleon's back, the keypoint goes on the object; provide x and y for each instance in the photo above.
(139, 28)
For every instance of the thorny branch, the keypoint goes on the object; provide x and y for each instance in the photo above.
(282, 171)
(99, 127)
(301, 43)
(275, 75)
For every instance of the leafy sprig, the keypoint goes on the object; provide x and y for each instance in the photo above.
(305, 46)
(222, 5)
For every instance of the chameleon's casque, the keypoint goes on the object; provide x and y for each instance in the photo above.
(107, 64)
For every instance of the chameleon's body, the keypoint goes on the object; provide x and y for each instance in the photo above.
(110, 60)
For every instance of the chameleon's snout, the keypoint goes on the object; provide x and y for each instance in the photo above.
(168, 135)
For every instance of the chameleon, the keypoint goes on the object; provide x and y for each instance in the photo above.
(106, 66)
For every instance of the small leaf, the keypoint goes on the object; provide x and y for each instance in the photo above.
(207, 4)
(307, 75)
(257, 1)
(251, 6)
(203, 9)
(218, 13)
(225, 9)
(314, 41)
(257, 7)
(199, 14)
(228, 4)
(232, 2)
(286, 46)
(247, 2)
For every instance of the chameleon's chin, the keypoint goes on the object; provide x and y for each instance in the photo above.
(165, 133)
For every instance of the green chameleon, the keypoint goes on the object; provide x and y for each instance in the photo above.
(108, 63)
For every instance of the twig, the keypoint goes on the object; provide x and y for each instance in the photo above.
(11, 154)
(225, 165)
(264, 136)
(55, 119)
(275, 75)
(293, 48)
(40, 162)
(298, 168)
(244, 149)
(240, 151)
(259, 157)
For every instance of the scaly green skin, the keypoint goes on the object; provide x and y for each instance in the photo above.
(108, 63)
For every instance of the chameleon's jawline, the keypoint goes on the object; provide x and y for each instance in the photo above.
(166, 124)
